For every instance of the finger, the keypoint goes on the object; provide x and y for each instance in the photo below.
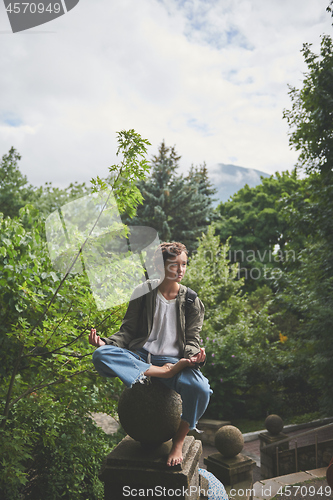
(200, 357)
(94, 338)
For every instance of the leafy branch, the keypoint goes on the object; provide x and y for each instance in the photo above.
(123, 177)
(46, 384)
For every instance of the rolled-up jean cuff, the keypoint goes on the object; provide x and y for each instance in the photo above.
(191, 427)
(114, 361)
(141, 378)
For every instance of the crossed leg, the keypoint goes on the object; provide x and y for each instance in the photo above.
(168, 370)
(195, 392)
(111, 361)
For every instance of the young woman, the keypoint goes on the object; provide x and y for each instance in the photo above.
(160, 337)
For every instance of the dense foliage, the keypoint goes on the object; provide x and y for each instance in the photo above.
(308, 287)
(292, 340)
(48, 386)
(259, 229)
(248, 358)
(14, 189)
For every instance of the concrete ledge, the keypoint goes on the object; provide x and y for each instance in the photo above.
(252, 436)
(307, 425)
(268, 488)
(318, 473)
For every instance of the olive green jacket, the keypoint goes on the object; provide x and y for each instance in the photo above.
(137, 323)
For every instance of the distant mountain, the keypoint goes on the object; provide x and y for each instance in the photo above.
(228, 179)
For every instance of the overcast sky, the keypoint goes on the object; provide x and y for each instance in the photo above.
(209, 76)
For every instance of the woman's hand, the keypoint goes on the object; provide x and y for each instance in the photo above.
(200, 357)
(95, 339)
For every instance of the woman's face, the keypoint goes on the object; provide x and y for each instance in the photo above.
(175, 267)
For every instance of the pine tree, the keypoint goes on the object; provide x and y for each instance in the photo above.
(178, 207)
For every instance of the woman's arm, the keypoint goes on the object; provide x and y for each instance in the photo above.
(193, 325)
(129, 326)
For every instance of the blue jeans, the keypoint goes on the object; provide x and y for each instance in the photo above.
(191, 385)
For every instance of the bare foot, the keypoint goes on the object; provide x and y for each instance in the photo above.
(176, 454)
(168, 370)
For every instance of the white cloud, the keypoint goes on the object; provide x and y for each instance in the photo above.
(207, 76)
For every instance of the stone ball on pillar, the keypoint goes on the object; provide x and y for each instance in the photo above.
(150, 412)
(229, 441)
(274, 424)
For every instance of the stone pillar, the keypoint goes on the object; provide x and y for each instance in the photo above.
(268, 458)
(230, 467)
(150, 414)
(231, 471)
(131, 470)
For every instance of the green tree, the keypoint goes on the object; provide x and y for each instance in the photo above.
(178, 207)
(255, 220)
(47, 386)
(246, 356)
(311, 133)
(15, 191)
(308, 288)
(48, 198)
(310, 117)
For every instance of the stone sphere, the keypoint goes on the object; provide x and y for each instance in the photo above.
(229, 441)
(150, 412)
(274, 424)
